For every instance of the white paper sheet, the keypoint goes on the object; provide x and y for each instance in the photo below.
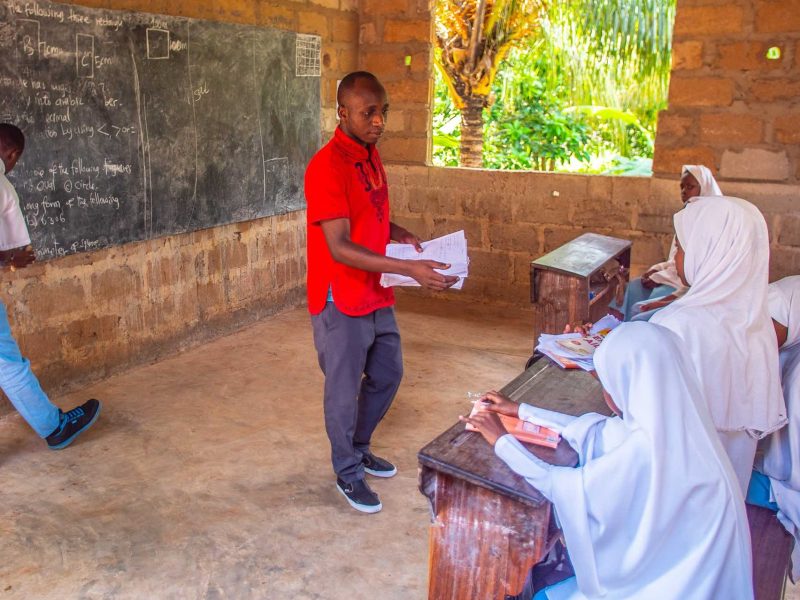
(450, 249)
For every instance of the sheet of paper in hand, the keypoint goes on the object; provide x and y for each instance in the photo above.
(524, 431)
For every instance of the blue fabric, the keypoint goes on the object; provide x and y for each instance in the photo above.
(759, 490)
(330, 294)
(21, 386)
(570, 582)
(635, 293)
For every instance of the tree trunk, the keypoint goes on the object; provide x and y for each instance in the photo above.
(472, 133)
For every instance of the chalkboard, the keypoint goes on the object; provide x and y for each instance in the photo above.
(142, 125)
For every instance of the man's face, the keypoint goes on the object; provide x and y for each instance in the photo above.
(362, 114)
(690, 188)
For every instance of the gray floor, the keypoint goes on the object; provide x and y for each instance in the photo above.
(207, 475)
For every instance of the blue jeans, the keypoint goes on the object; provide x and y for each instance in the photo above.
(635, 292)
(21, 386)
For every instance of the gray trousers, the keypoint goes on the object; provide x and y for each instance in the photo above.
(363, 365)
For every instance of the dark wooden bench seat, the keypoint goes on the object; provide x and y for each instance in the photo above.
(772, 549)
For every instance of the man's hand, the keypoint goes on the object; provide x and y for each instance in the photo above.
(18, 258)
(404, 236)
(648, 283)
(422, 271)
(497, 402)
(488, 424)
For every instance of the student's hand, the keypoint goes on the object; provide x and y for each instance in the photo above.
(648, 283)
(422, 271)
(583, 329)
(488, 424)
(497, 402)
(18, 258)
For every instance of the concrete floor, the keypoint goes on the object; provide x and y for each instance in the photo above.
(208, 475)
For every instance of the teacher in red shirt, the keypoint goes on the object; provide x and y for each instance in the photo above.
(355, 332)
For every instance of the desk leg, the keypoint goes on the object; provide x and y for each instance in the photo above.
(482, 544)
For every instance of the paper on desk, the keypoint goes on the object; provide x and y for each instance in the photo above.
(450, 249)
(550, 345)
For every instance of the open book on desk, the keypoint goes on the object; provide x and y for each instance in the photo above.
(450, 249)
(574, 350)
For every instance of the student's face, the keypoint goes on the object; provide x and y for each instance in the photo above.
(362, 115)
(690, 188)
(680, 258)
(611, 404)
(781, 332)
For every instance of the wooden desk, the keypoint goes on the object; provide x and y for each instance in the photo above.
(488, 525)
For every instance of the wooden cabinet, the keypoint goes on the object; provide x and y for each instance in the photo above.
(567, 285)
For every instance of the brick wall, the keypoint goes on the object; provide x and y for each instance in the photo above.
(392, 32)
(82, 317)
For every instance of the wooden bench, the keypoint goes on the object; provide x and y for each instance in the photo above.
(772, 549)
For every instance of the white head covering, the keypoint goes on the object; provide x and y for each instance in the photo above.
(723, 320)
(665, 271)
(708, 185)
(784, 307)
(782, 449)
(660, 514)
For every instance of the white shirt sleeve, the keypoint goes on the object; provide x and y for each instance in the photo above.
(546, 418)
(13, 230)
(535, 471)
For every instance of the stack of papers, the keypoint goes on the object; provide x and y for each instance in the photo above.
(450, 249)
(575, 350)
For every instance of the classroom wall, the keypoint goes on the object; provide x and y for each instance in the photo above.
(729, 108)
(85, 316)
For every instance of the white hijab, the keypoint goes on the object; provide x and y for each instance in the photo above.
(723, 319)
(665, 271)
(658, 512)
(782, 448)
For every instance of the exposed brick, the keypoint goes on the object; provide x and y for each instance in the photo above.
(491, 206)
(522, 269)
(558, 236)
(314, 22)
(705, 20)
(540, 209)
(754, 163)
(493, 265)
(731, 128)
(407, 31)
(747, 56)
(513, 238)
(700, 91)
(432, 201)
(769, 90)
(774, 16)
(674, 125)
(348, 4)
(368, 33)
(326, 3)
(787, 128)
(687, 55)
(38, 299)
(404, 149)
(383, 7)
(344, 29)
(790, 230)
(783, 262)
(118, 283)
(654, 223)
(387, 65)
(670, 160)
(416, 225)
(90, 331)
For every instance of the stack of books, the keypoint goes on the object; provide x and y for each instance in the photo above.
(575, 350)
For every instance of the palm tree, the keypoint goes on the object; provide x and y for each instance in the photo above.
(473, 37)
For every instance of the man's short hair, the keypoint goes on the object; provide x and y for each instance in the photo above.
(349, 81)
(11, 137)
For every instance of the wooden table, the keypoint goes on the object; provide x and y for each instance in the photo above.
(489, 526)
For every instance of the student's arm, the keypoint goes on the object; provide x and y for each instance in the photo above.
(347, 252)
(535, 471)
(17, 258)
(781, 332)
(499, 403)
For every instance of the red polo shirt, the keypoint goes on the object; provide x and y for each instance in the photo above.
(346, 180)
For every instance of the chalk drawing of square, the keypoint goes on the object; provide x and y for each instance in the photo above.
(157, 44)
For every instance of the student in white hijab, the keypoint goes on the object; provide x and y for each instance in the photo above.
(723, 321)
(776, 482)
(653, 509)
(660, 285)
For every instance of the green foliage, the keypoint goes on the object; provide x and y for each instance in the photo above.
(583, 94)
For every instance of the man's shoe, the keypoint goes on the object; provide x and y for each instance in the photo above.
(73, 423)
(377, 466)
(359, 495)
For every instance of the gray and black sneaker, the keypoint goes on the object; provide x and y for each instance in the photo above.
(359, 495)
(73, 423)
(377, 466)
